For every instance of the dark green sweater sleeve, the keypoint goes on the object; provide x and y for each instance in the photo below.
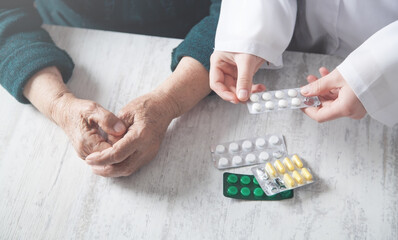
(25, 48)
(199, 43)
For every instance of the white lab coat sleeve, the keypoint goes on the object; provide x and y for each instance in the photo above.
(371, 70)
(260, 27)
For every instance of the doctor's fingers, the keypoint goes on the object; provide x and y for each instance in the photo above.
(332, 94)
(247, 65)
(224, 86)
(329, 110)
(323, 85)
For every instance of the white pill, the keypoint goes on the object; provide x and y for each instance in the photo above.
(233, 147)
(296, 101)
(260, 142)
(250, 158)
(282, 103)
(292, 92)
(247, 145)
(264, 156)
(220, 149)
(236, 160)
(254, 98)
(269, 105)
(273, 140)
(279, 94)
(266, 96)
(277, 154)
(256, 107)
(222, 162)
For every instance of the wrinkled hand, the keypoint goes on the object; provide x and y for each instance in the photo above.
(82, 120)
(231, 75)
(147, 118)
(337, 98)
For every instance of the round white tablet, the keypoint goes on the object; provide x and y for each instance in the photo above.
(236, 160)
(274, 140)
(292, 93)
(260, 142)
(254, 98)
(250, 158)
(296, 101)
(220, 149)
(233, 147)
(222, 162)
(247, 145)
(256, 107)
(266, 96)
(277, 154)
(282, 103)
(269, 105)
(264, 156)
(279, 94)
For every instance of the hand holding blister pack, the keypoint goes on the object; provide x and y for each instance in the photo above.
(282, 175)
(280, 100)
(248, 151)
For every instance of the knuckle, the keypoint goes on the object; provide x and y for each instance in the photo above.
(127, 172)
(91, 106)
(245, 80)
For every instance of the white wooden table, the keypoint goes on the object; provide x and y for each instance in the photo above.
(47, 192)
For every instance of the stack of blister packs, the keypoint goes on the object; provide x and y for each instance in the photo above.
(277, 173)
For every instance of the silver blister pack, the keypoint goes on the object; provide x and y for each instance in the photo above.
(280, 100)
(248, 151)
(281, 175)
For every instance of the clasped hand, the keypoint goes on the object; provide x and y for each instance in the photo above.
(133, 138)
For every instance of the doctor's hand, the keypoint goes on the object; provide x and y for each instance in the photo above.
(231, 75)
(147, 118)
(336, 96)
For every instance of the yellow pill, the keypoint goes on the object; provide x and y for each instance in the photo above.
(270, 169)
(307, 175)
(289, 181)
(280, 166)
(299, 179)
(297, 161)
(288, 164)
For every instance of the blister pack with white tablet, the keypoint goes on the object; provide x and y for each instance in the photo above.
(279, 176)
(248, 151)
(280, 100)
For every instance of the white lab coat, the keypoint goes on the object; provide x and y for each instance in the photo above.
(363, 31)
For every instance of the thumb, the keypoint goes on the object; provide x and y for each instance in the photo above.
(109, 122)
(245, 77)
(321, 86)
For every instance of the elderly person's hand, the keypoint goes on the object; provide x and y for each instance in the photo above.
(82, 120)
(337, 98)
(147, 118)
(231, 75)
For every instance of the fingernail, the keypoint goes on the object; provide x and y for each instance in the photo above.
(92, 156)
(305, 90)
(119, 127)
(242, 94)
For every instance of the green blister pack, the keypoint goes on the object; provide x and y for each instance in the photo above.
(240, 186)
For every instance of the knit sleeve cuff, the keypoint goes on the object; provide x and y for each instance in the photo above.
(25, 61)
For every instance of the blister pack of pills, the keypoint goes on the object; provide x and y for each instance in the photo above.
(246, 187)
(248, 151)
(281, 175)
(280, 100)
